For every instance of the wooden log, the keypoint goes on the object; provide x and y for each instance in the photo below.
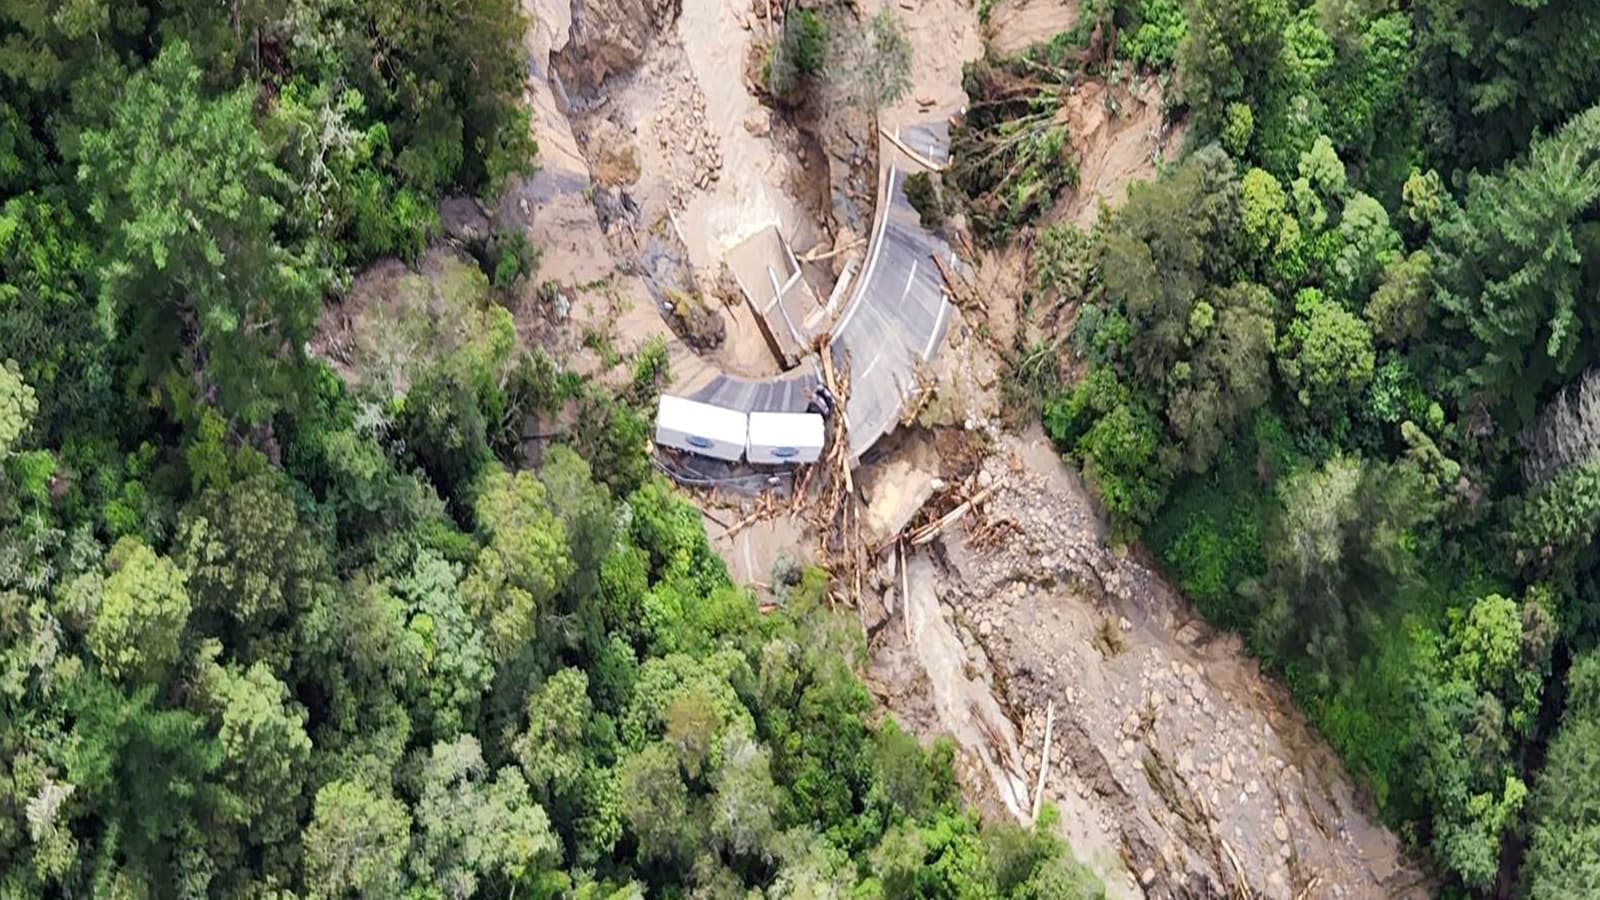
(841, 446)
(1044, 761)
(927, 533)
(811, 256)
(953, 283)
(905, 592)
(747, 521)
(916, 157)
(1309, 889)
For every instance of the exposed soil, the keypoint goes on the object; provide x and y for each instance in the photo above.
(944, 36)
(688, 162)
(967, 374)
(1119, 135)
(704, 153)
(1015, 25)
(588, 302)
(1002, 277)
(752, 553)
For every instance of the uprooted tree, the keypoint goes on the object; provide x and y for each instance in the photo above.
(1010, 151)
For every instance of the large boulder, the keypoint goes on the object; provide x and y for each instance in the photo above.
(610, 37)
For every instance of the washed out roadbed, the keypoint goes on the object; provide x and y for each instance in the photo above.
(1179, 769)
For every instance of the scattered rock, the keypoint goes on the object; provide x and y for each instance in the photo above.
(1280, 829)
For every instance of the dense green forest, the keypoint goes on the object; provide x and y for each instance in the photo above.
(263, 634)
(1335, 368)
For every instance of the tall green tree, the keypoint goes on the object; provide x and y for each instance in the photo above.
(1495, 73)
(48, 326)
(18, 404)
(1340, 546)
(1232, 53)
(356, 843)
(1163, 249)
(479, 833)
(448, 78)
(142, 613)
(518, 573)
(1512, 273)
(252, 566)
(264, 744)
(1477, 697)
(188, 201)
(1564, 811)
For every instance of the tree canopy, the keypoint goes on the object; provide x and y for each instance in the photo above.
(1334, 366)
(268, 632)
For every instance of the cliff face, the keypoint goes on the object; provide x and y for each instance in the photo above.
(610, 37)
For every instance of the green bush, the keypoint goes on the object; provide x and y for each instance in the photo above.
(798, 54)
(807, 40)
(1121, 456)
(1066, 262)
(923, 195)
(1068, 414)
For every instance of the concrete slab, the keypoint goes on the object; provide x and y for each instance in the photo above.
(769, 276)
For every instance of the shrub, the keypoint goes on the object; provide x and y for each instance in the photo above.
(1121, 455)
(923, 195)
(798, 53)
(807, 40)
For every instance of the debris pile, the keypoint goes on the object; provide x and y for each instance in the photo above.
(681, 131)
(836, 516)
(1012, 148)
(1168, 749)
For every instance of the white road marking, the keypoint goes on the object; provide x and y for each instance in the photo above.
(865, 283)
(938, 328)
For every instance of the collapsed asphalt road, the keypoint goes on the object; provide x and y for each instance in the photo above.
(892, 324)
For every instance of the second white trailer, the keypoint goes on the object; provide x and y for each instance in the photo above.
(785, 438)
